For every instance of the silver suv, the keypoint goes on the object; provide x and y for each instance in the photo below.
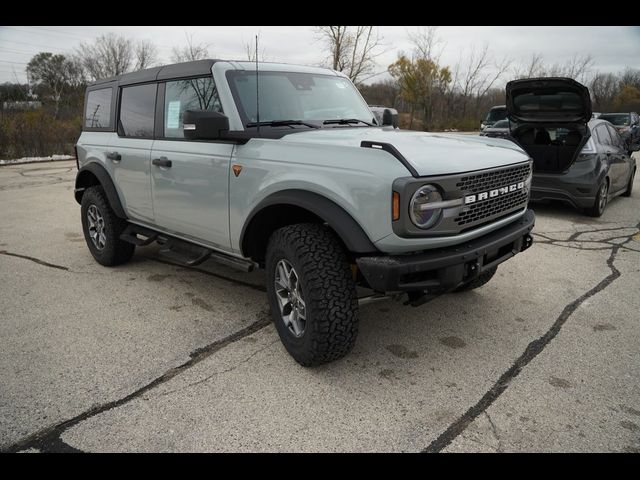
(285, 168)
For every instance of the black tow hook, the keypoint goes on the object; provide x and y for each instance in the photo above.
(527, 241)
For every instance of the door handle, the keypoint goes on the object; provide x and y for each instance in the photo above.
(115, 156)
(161, 162)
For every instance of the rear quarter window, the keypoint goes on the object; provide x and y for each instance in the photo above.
(97, 110)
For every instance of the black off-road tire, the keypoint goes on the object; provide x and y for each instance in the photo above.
(627, 192)
(597, 209)
(482, 279)
(328, 289)
(115, 251)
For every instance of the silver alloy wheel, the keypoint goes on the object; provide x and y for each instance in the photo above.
(293, 309)
(602, 199)
(96, 227)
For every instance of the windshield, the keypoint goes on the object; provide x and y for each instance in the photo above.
(501, 124)
(297, 96)
(496, 114)
(619, 120)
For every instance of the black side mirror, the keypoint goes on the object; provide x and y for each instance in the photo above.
(204, 125)
(390, 117)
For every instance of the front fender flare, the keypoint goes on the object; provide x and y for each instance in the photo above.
(349, 231)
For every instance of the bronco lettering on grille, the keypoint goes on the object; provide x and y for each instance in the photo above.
(478, 197)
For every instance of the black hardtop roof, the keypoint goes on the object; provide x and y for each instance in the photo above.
(175, 70)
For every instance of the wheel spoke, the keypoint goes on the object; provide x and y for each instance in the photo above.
(289, 296)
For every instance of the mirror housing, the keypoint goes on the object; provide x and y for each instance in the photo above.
(204, 125)
(390, 117)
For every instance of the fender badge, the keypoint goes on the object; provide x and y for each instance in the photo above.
(236, 169)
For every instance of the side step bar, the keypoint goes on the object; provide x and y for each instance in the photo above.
(181, 251)
(131, 233)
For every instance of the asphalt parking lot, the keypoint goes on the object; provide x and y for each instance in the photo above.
(152, 356)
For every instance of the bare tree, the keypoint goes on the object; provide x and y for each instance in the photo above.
(108, 56)
(146, 54)
(54, 75)
(479, 74)
(426, 43)
(604, 88)
(250, 49)
(191, 51)
(534, 68)
(577, 67)
(353, 50)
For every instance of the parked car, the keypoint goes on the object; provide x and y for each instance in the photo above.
(627, 124)
(577, 160)
(495, 114)
(301, 184)
(379, 113)
(500, 129)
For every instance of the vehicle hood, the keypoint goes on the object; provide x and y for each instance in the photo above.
(428, 153)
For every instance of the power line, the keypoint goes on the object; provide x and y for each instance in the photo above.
(17, 63)
(31, 44)
(35, 30)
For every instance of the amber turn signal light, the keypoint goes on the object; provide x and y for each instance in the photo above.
(396, 206)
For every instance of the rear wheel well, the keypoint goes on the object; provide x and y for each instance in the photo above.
(85, 180)
(267, 221)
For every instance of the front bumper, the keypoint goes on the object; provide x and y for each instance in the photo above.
(442, 269)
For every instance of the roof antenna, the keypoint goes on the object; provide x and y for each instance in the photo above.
(257, 90)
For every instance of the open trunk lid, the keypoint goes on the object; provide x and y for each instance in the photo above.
(548, 100)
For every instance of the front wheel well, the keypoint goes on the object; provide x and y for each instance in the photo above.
(268, 220)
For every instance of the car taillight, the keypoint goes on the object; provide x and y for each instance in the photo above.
(589, 147)
(75, 149)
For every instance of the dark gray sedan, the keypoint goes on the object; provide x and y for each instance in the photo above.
(577, 160)
(500, 129)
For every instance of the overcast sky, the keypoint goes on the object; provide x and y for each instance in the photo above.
(612, 48)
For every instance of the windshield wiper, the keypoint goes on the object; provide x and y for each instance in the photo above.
(346, 121)
(282, 123)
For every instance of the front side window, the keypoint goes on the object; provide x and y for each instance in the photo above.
(192, 94)
(137, 108)
(97, 113)
(296, 96)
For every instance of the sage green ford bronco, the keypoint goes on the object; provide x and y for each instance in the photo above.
(286, 168)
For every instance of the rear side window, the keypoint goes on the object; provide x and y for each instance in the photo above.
(603, 136)
(191, 94)
(137, 109)
(97, 113)
(615, 137)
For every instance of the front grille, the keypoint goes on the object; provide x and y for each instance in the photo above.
(491, 208)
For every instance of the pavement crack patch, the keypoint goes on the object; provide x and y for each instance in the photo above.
(221, 372)
(494, 430)
(50, 437)
(33, 259)
(532, 351)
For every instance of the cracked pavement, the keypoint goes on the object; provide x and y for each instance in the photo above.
(153, 356)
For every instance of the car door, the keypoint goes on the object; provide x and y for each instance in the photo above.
(190, 179)
(622, 159)
(130, 151)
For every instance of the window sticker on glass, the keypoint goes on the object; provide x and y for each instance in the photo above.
(173, 114)
(341, 85)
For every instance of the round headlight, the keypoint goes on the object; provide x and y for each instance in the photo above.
(421, 210)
